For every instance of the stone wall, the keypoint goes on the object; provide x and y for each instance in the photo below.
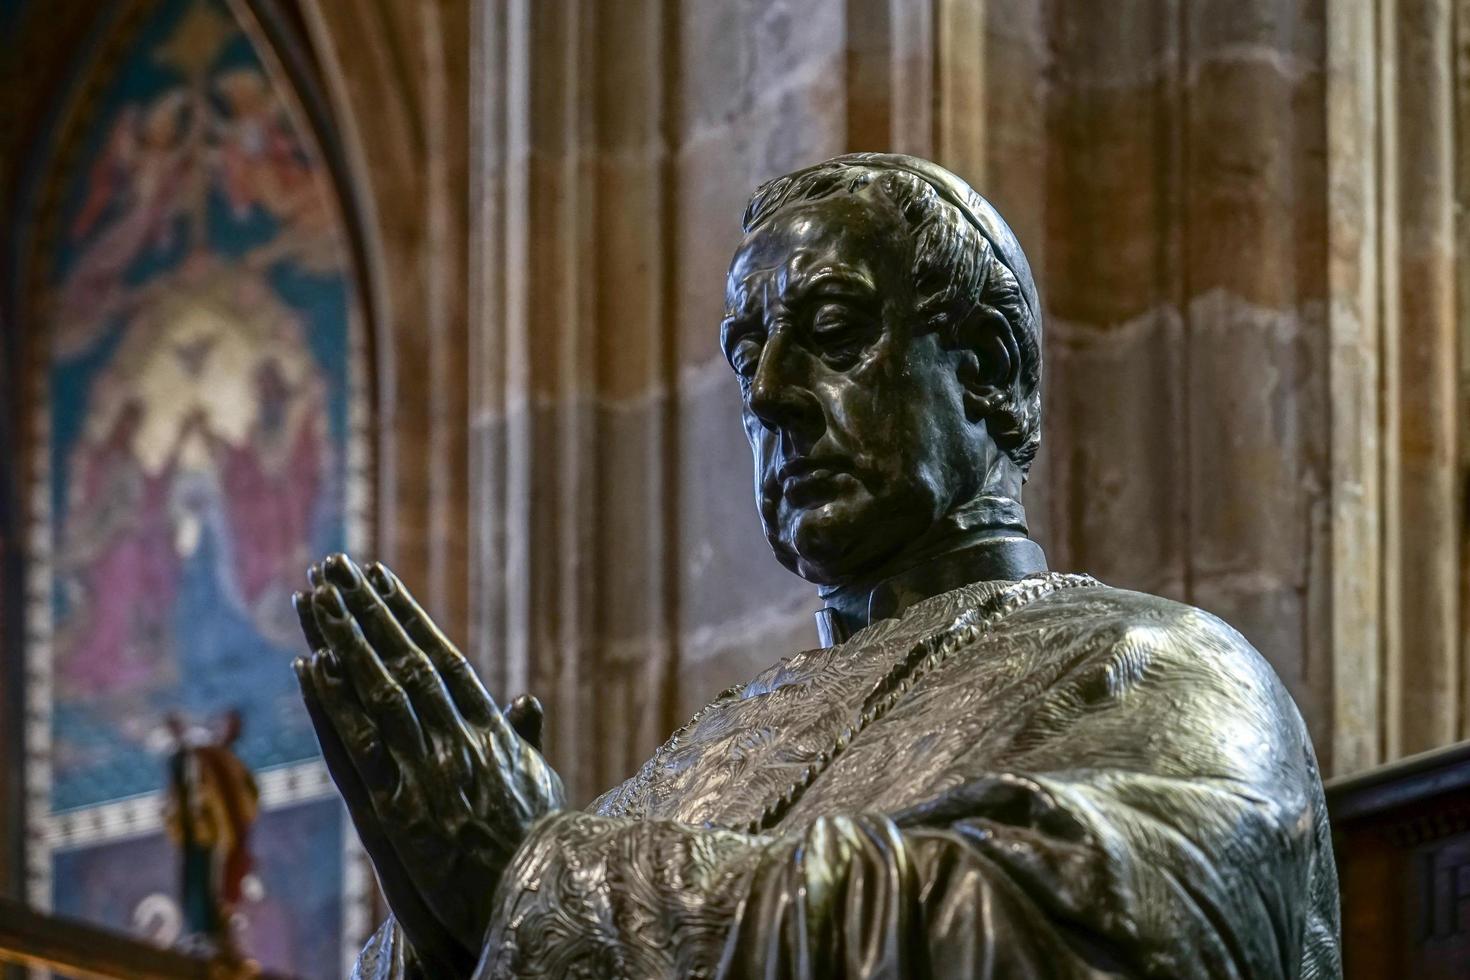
(1241, 214)
(1184, 271)
(623, 575)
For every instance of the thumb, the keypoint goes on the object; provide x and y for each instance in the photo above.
(526, 716)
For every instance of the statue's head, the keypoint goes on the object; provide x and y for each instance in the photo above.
(886, 332)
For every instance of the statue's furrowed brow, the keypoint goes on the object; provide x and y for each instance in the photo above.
(743, 302)
(827, 281)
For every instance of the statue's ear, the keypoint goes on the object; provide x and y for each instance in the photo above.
(989, 362)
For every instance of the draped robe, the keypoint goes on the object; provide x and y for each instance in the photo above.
(1045, 778)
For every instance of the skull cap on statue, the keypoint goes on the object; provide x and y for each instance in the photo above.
(980, 213)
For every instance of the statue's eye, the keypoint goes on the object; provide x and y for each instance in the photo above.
(839, 330)
(745, 356)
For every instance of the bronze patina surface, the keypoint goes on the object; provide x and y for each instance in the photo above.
(987, 770)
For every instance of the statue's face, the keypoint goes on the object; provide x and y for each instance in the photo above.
(855, 418)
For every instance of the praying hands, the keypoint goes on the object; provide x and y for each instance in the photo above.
(441, 785)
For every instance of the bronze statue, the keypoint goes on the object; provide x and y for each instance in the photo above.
(987, 770)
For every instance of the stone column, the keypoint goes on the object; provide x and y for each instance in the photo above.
(1397, 177)
(1163, 165)
(1422, 677)
(1248, 251)
(618, 565)
(1258, 529)
(1354, 330)
(398, 78)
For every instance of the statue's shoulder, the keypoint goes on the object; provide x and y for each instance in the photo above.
(1158, 637)
(1125, 616)
(1153, 664)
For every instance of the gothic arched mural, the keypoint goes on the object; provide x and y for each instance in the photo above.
(198, 440)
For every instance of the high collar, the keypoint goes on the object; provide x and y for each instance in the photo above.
(984, 541)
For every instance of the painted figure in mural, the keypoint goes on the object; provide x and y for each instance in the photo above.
(261, 164)
(204, 464)
(212, 801)
(135, 185)
(119, 559)
(269, 484)
(988, 769)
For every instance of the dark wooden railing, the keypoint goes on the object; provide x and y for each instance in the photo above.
(79, 949)
(1402, 835)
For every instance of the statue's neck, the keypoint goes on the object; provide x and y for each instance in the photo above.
(984, 540)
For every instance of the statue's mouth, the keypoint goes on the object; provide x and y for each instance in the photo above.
(811, 480)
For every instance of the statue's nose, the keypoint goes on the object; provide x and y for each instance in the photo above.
(779, 394)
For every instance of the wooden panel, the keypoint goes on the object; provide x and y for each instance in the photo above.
(30, 938)
(1402, 837)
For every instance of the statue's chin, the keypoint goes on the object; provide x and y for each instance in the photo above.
(825, 544)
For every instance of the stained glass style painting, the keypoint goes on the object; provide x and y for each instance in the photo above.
(200, 444)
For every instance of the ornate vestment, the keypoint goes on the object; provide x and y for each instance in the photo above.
(1046, 778)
